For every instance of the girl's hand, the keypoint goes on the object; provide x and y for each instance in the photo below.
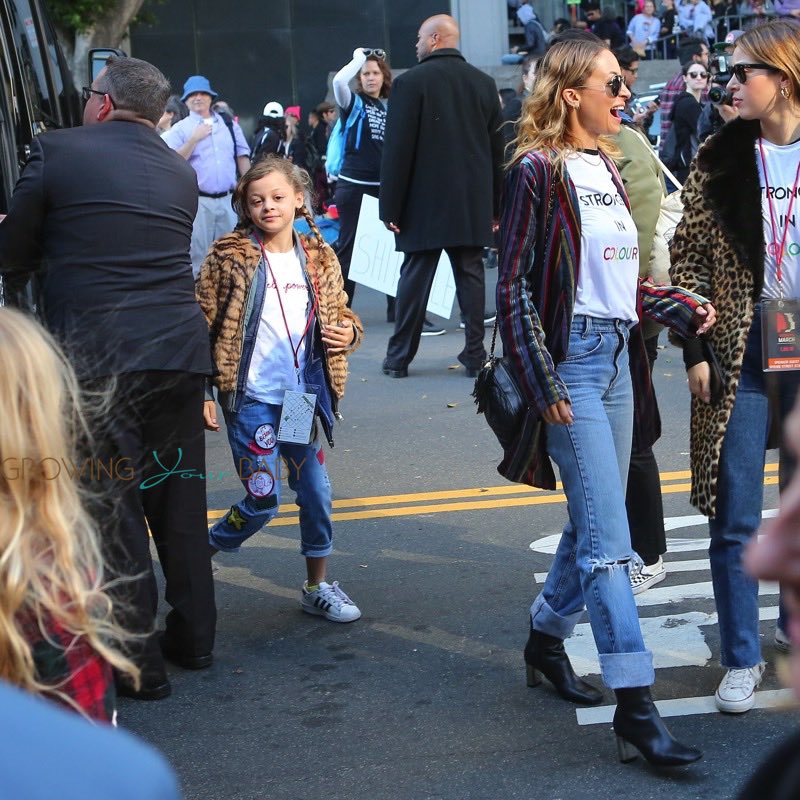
(705, 317)
(559, 413)
(338, 338)
(210, 415)
(700, 381)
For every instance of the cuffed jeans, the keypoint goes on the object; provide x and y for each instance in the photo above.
(592, 562)
(261, 463)
(740, 497)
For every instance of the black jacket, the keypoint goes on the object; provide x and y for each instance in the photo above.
(441, 169)
(104, 214)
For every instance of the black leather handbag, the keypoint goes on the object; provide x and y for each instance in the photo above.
(498, 396)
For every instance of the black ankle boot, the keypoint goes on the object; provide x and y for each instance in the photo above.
(545, 655)
(638, 726)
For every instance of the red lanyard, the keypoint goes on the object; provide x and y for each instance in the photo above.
(782, 247)
(309, 321)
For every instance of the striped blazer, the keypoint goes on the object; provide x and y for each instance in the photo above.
(540, 245)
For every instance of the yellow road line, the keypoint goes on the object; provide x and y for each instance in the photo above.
(534, 497)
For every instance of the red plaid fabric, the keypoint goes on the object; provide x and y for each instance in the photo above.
(72, 667)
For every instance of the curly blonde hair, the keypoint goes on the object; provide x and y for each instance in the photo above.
(543, 123)
(51, 568)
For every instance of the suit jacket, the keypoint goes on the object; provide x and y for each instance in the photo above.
(441, 170)
(103, 215)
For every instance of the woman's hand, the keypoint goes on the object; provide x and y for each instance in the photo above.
(210, 415)
(700, 381)
(338, 338)
(559, 413)
(705, 317)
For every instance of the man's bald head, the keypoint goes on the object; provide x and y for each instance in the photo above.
(437, 32)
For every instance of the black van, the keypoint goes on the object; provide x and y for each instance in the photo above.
(36, 88)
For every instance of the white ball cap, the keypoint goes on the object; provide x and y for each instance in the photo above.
(273, 109)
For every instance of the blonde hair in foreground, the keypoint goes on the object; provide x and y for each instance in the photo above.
(51, 569)
(543, 123)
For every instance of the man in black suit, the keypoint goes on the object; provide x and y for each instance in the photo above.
(440, 186)
(102, 215)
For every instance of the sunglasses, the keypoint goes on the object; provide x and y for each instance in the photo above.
(614, 86)
(702, 75)
(377, 52)
(740, 70)
(87, 92)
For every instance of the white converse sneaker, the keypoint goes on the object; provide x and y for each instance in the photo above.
(643, 577)
(737, 691)
(783, 644)
(331, 602)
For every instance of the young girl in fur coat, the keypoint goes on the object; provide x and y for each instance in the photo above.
(280, 334)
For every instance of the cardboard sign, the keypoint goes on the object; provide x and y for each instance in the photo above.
(376, 264)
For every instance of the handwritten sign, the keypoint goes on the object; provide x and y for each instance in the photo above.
(375, 262)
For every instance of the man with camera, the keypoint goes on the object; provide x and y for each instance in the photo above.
(719, 110)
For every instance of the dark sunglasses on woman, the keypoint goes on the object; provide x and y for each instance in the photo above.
(614, 86)
(702, 75)
(377, 52)
(740, 70)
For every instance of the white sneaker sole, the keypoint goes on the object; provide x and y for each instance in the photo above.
(437, 332)
(318, 612)
(734, 706)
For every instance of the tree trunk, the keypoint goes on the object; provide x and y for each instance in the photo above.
(110, 31)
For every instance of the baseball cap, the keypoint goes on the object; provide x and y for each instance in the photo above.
(273, 109)
(730, 39)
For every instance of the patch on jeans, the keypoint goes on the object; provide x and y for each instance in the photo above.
(320, 456)
(265, 437)
(235, 518)
(259, 451)
(265, 503)
(260, 484)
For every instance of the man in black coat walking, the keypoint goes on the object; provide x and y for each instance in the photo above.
(103, 215)
(440, 186)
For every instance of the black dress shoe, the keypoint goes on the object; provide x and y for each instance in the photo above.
(394, 372)
(147, 691)
(172, 654)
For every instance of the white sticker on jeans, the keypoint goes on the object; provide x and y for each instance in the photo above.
(297, 417)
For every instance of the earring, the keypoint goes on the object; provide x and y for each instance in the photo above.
(785, 93)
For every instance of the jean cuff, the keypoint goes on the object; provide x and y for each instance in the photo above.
(545, 620)
(316, 552)
(223, 548)
(627, 670)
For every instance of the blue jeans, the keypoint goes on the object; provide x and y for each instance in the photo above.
(261, 463)
(740, 497)
(592, 562)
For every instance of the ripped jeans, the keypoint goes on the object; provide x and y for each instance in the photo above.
(262, 464)
(592, 562)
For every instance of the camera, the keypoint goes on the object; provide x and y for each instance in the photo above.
(718, 94)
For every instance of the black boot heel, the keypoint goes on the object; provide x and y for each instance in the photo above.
(533, 675)
(545, 656)
(639, 727)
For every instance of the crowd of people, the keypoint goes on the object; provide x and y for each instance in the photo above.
(199, 292)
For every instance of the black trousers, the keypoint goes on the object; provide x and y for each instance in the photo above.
(643, 497)
(348, 204)
(416, 278)
(150, 471)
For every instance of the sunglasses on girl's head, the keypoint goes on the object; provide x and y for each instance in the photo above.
(377, 52)
(740, 70)
(702, 75)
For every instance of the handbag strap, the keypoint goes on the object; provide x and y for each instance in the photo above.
(548, 218)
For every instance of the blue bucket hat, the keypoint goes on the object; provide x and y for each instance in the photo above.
(197, 83)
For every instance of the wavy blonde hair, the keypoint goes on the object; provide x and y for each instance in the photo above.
(51, 568)
(543, 123)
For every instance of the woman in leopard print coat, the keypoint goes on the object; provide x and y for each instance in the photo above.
(719, 250)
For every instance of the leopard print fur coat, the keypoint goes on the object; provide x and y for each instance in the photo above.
(718, 251)
(222, 286)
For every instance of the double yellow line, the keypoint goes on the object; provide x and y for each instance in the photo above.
(477, 499)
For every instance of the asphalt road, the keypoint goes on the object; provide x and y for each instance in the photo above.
(425, 696)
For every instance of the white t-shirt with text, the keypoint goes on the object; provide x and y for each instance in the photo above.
(782, 163)
(272, 369)
(608, 278)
